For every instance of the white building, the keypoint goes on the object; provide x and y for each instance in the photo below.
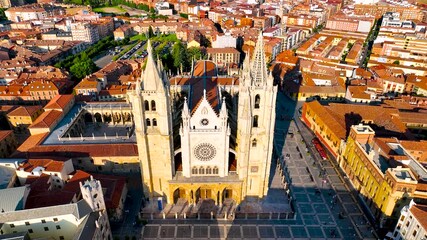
(412, 223)
(84, 32)
(224, 41)
(58, 170)
(85, 219)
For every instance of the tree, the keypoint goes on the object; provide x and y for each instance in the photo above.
(396, 62)
(150, 32)
(180, 56)
(194, 52)
(83, 68)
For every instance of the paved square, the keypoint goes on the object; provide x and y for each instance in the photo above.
(315, 232)
(167, 232)
(310, 219)
(215, 231)
(200, 231)
(234, 232)
(249, 232)
(305, 208)
(299, 232)
(151, 232)
(183, 232)
(282, 232)
(320, 208)
(266, 232)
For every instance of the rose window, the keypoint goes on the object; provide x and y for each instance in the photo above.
(204, 152)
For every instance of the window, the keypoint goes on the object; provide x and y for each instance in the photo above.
(43, 221)
(201, 170)
(254, 142)
(215, 170)
(153, 105)
(414, 233)
(257, 101)
(58, 227)
(61, 238)
(30, 230)
(148, 122)
(194, 170)
(208, 170)
(12, 225)
(46, 229)
(146, 106)
(154, 122)
(27, 223)
(255, 121)
(55, 219)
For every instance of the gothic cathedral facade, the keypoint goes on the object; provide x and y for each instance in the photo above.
(202, 135)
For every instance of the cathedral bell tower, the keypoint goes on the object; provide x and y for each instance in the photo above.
(256, 117)
(153, 127)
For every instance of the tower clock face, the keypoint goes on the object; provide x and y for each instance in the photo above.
(204, 121)
(204, 152)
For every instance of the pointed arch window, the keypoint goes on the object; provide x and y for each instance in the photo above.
(148, 122)
(254, 141)
(215, 170)
(257, 101)
(208, 170)
(146, 106)
(154, 122)
(255, 121)
(201, 170)
(153, 105)
(194, 170)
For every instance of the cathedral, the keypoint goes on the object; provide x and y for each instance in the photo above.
(203, 135)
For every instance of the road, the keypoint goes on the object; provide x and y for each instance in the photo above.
(132, 206)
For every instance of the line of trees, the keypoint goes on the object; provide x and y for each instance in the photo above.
(81, 64)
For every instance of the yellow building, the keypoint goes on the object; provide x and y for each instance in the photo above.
(23, 116)
(382, 171)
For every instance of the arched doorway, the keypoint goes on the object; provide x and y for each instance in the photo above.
(232, 162)
(178, 193)
(98, 117)
(227, 193)
(178, 161)
(88, 117)
(107, 118)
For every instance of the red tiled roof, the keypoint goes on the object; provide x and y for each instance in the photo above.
(73, 184)
(49, 165)
(59, 102)
(420, 213)
(114, 186)
(26, 111)
(84, 150)
(46, 119)
(4, 134)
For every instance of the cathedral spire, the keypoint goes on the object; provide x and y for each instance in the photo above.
(185, 109)
(259, 64)
(152, 77)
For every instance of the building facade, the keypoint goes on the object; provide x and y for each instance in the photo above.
(197, 140)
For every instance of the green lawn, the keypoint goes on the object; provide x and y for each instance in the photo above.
(114, 9)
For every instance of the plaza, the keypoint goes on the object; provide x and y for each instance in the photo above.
(319, 194)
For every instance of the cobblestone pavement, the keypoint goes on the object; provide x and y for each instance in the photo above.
(324, 207)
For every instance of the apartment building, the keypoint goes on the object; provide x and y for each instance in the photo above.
(380, 8)
(33, 12)
(412, 223)
(224, 56)
(85, 32)
(351, 24)
(382, 171)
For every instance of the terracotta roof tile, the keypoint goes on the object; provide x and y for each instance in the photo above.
(420, 213)
(26, 111)
(4, 134)
(59, 102)
(47, 119)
